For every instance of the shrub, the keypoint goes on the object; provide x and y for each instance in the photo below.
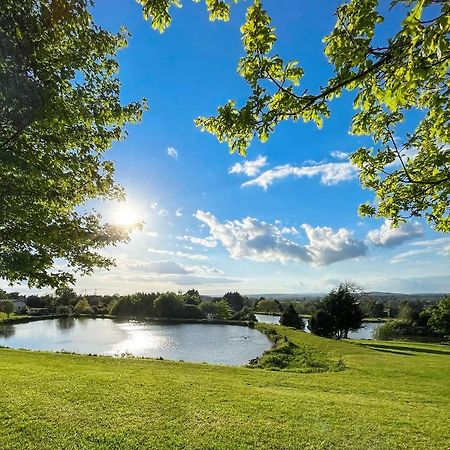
(64, 310)
(394, 329)
(288, 356)
(439, 320)
(7, 307)
(268, 306)
(83, 307)
(291, 318)
(124, 306)
(192, 312)
(209, 309)
(321, 323)
(246, 314)
(168, 305)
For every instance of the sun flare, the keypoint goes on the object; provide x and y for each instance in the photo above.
(125, 215)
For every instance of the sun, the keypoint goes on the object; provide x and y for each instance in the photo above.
(125, 215)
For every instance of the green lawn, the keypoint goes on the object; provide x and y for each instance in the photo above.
(392, 395)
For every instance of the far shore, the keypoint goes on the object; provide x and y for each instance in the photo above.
(307, 316)
(28, 318)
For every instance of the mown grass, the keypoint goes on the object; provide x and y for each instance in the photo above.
(293, 357)
(390, 396)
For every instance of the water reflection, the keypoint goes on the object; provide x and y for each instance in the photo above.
(7, 331)
(65, 323)
(219, 344)
(365, 332)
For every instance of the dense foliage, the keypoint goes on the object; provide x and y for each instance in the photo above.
(234, 300)
(337, 314)
(268, 306)
(433, 321)
(439, 320)
(170, 305)
(60, 110)
(246, 314)
(291, 318)
(7, 307)
(83, 307)
(395, 79)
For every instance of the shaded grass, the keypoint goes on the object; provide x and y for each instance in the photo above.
(412, 349)
(381, 401)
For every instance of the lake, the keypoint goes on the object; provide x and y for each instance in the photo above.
(211, 343)
(365, 332)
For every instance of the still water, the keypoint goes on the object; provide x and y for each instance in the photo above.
(365, 332)
(215, 344)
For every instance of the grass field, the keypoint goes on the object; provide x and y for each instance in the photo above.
(391, 396)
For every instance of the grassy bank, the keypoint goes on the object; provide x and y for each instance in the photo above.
(391, 395)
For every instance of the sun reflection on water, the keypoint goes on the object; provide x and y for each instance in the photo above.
(140, 339)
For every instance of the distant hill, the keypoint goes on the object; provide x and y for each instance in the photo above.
(305, 296)
(374, 295)
(308, 297)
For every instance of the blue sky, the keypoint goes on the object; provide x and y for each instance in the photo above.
(290, 229)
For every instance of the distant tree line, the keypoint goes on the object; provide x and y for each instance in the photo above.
(344, 308)
(188, 305)
(372, 306)
(414, 320)
(333, 316)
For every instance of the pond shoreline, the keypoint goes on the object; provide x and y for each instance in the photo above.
(162, 320)
(216, 342)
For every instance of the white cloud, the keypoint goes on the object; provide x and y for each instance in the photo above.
(178, 212)
(339, 155)
(207, 242)
(405, 256)
(260, 241)
(172, 152)
(193, 281)
(152, 233)
(178, 254)
(204, 270)
(159, 211)
(250, 168)
(289, 230)
(330, 173)
(385, 236)
(438, 242)
(432, 283)
(159, 267)
(252, 239)
(326, 247)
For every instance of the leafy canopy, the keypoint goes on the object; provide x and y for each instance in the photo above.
(390, 78)
(59, 111)
(338, 313)
(439, 320)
